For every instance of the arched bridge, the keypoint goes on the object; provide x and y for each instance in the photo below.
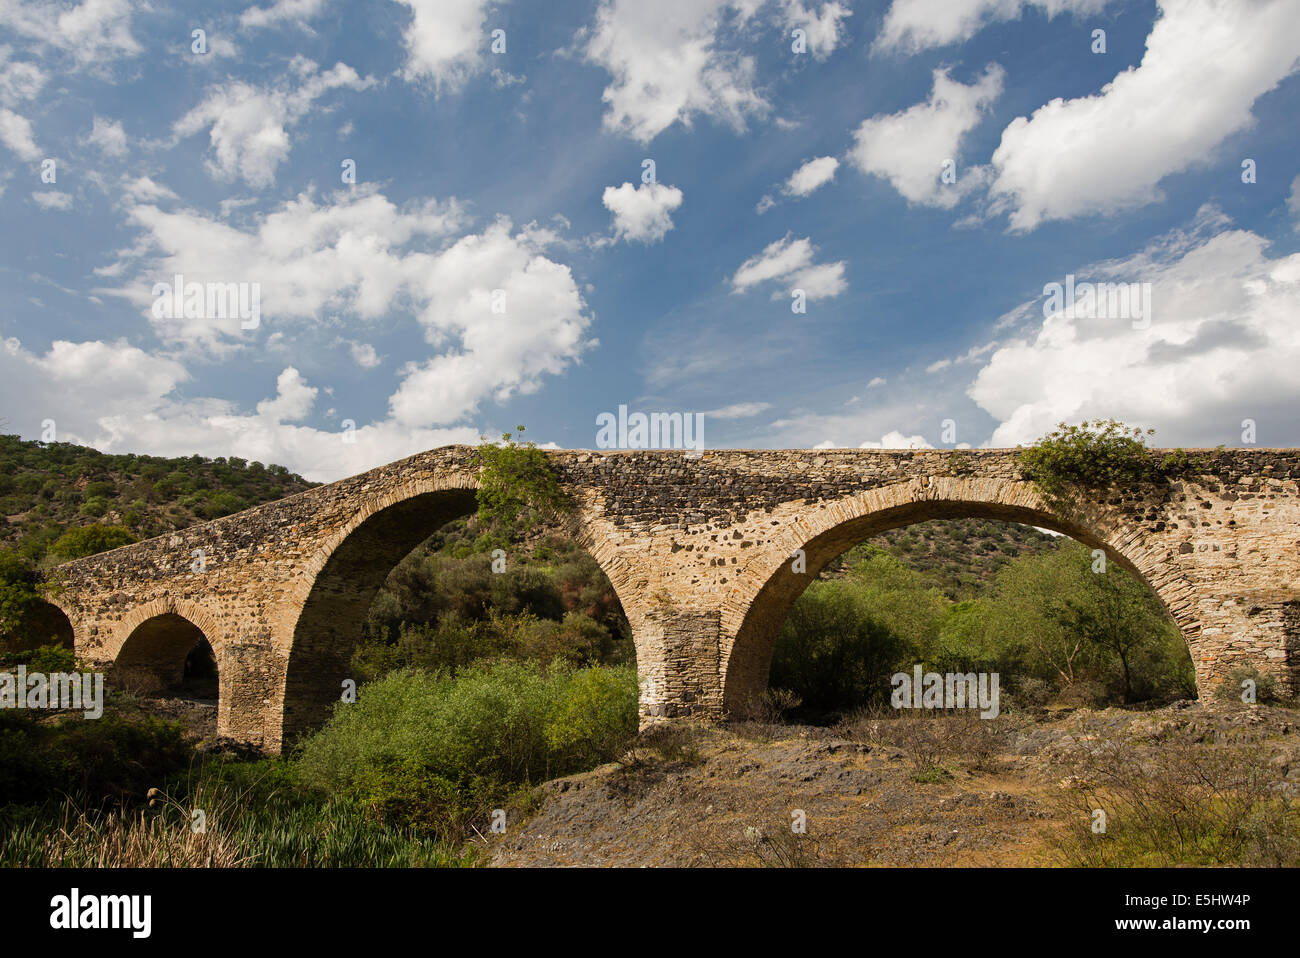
(698, 549)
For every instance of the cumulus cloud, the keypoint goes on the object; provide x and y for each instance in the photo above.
(117, 397)
(1109, 151)
(19, 80)
(823, 28)
(914, 25)
(364, 355)
(667, 65)
(811, 175)
(791, 261)
(52, 199)
(896, 440)
(16, 134)
(909, 148)
(248, 126)
(446, 40)
(497, 313)
(93, 31)
(282, 11)
(642, 213)
(108, 136)
(739, 410)
(1222, 345)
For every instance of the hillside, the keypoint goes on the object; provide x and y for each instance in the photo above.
(960, 556)
(48, 488)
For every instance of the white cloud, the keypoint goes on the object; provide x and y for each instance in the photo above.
(740, 410)
(248, 125)
(282, 11)
(16, 133)
(93, 31)
(811, 175)
(52, 199)
(19, 80)
(446, 40)
(1222, 346)
(896, 440)
(822, 29)
(915, 25)
(108, 136)
(364, 355)
(791, 261)
(1109, 151)
(876, 381)
(142, 189)
(642, 213)
(909, 148)
(117, 397)
(497, 313)
(293, 398)
(667, 66)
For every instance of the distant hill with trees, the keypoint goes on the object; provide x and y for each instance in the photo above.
(86, 501)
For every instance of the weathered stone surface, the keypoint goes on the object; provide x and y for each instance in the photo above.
(699, 551)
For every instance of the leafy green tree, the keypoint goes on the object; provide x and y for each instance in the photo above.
(89, 540)
(18, 595)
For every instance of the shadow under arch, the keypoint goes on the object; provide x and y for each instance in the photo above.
(747, 665)
(162, 652)
(46, 624)
(352, 570)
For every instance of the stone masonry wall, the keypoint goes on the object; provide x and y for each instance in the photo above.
(699, 550)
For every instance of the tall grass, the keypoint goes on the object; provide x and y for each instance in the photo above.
(242, 827)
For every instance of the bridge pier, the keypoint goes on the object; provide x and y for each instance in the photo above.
(678, 661)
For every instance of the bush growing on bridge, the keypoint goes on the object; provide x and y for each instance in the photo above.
(517, 488)
(1096, 455)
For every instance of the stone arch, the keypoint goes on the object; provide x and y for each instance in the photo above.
(343, 576)
(768, 586)
(153, 643)
(47, 624)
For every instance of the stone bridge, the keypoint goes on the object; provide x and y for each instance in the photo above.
(698, 549)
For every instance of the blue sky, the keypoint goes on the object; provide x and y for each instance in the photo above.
(501, 258)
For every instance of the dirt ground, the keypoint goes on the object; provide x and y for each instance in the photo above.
(733, 796)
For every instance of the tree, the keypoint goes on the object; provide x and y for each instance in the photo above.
(18, 595)
(89, 540)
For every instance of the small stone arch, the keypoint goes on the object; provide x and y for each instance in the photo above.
(767, 586)
(154, 642)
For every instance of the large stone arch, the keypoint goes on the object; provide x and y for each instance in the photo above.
(768, 586)
(333, 595)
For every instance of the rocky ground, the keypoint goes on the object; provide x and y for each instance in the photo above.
(870, 793)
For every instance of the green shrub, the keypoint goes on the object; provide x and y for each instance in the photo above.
(1095, 455)
(491, 721)
(90, 540)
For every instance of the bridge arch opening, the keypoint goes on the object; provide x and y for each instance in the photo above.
(777, 619)
(409, 584)
(43, 624)
(167, 653)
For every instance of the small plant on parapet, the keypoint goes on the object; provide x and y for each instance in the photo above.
(1098, 454)
(517, 489)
